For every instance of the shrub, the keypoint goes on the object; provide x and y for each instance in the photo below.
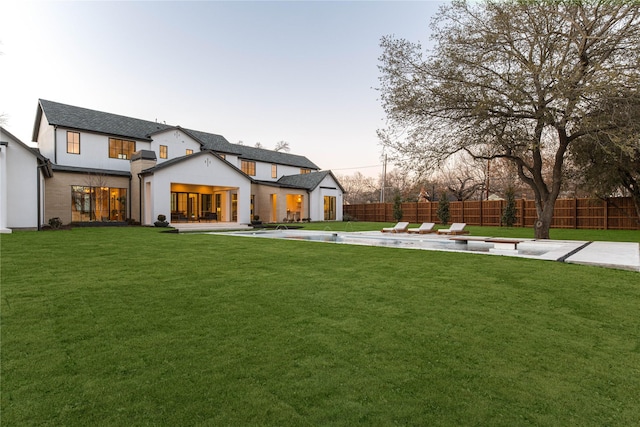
(397, 208)
(162, 221)
(55, 223)
(443, 208)
(509, 213)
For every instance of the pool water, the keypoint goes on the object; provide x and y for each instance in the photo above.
(405, 241)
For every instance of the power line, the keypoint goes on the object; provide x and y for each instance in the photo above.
(358, 167)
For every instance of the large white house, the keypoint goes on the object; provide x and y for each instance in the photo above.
(94, 166)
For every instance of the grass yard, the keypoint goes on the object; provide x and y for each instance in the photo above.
(133, 326)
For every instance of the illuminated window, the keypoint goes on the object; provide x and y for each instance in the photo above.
(189, 151)
(305, 170)
(121, 148)
(73, 142)
(248, 167)
(274, 171)
(164, 152)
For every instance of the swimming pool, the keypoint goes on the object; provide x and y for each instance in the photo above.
(529, 248)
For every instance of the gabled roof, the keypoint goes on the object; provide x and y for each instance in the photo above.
(78, 118)
(44, 163)
(307, 181)
(213, 142)
(177, 160)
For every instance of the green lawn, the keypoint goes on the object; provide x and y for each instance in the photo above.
(134, 326)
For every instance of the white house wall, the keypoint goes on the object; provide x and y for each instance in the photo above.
(328, 187)
(199, 170)
(177, 143)
(94, 152)
(22, 186)
(284, 170)
(3, 188)
(46, 142)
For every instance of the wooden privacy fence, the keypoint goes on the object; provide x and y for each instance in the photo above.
(613, 214)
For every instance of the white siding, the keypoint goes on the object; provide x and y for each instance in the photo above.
(46, 139)
(94, 152)
(177, 143)
(328, 187)
(204, 169)
(22, 176)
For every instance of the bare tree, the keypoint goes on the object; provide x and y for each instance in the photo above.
(282, 146)
(464, 177)
(510, 80)
(359, 188)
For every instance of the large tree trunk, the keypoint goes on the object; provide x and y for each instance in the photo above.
(545, 216)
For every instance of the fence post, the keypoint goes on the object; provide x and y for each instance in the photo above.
(606, 214)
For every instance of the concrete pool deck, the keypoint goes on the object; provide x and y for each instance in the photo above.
(618, 255)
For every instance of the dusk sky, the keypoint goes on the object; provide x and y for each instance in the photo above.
(302, 72)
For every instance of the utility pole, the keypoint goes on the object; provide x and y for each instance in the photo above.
(384, 178)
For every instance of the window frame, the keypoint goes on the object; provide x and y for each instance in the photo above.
(164, 152)
(274, 170)
(73, 143)
(188, 152)
(248, 167)
(120, 152)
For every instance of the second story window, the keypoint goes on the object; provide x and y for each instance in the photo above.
(248, 167)
(274, 171)
(73, 142)
(304, 171)
(189, 151)
(121, 148)
(164, 152)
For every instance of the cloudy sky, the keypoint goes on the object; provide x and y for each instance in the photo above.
(301, 72)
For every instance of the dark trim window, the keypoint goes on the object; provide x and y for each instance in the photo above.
(73, 142)
(248, 167)
(164, 152)
(121, 148)
(274, 171)
(189, 151)
(89, 203)
(305, 171)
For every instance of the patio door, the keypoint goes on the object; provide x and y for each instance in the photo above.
(329, 208)
(192, 206)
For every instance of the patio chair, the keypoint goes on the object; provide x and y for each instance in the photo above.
(425, 228)
(456, 228)
(400, 227)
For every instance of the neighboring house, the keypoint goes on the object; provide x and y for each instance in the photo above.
(23, 171)
(106, 167)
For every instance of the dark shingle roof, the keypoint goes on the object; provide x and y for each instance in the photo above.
(96, 121)
(308, 181)
(112, 124)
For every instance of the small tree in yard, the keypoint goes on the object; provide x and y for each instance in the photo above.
(443, 208)
(509, 212)
(397, 208)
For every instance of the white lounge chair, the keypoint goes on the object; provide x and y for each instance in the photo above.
(400, 227)
(425, 228)
(456, 228)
